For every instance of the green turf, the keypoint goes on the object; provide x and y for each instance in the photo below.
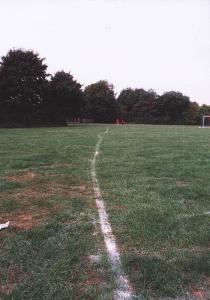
(155, 181)
(50, 260)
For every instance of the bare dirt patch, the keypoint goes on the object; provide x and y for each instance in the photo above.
(79, 190)
(23, 220)
(200, 293)
(181, 183)
(22, 177)
(94, 281)
(118, 207)
(31, 193)
(71, 190)
(94, 277)
(7, 288)
(51, 189)
(31, 215)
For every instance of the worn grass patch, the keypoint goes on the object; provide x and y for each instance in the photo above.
(155, 182)
(46, 194)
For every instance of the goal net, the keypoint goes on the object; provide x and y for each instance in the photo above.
(206, 121)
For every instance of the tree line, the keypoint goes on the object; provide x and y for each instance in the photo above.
(29, 96)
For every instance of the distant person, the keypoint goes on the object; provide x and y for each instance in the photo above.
(120, 121)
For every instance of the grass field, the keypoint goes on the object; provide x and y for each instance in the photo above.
(155, 182)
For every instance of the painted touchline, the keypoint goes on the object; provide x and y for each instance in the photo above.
(124, 290)
(207, 213)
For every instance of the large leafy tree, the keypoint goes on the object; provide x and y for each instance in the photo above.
(193, 116)
(22, 80)
(100, 102)
(65, 98)
(204, 110)
(137, 105)
(173, 107)
(126, 101)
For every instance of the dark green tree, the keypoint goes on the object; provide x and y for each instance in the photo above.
(137, 105)
(65, 99)
(22, 79)
(193, 116)
(204, 109)
(172, 108)
(100, 102)
(126, 101)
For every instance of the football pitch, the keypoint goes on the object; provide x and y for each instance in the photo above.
(155, 183)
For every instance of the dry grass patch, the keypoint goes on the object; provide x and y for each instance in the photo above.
(24, 220)
(117, 207)
(26, 193)
(57, 165)
(163, 252)
(22, 177)
(181, 183)
(33, 205)
(26, 207)
(200, 293)
(94, 278)
(14, 276)
(50, 189)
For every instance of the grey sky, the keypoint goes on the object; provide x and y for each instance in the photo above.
(159, 44)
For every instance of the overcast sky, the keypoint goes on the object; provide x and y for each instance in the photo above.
(159, 44)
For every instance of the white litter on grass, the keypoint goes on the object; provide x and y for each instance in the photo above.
(4, 225)
(124, 290)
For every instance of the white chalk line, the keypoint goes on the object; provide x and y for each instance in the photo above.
(124, 290)
(205, 213)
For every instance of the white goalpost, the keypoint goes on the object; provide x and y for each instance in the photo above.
(203, 122)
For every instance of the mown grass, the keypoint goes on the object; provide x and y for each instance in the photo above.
(46, 193)
(155, 181)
